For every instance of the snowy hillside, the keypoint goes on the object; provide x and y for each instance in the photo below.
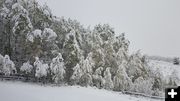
(166, 69)
(31, 92)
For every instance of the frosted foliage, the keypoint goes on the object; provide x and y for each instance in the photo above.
(49, 34)
(21, 19)
(86, 78)
(18, 8)
(89, 58)
(41, 69)
(97, 77)
(108, 83)
(4, 12)
(121, 79)
(30, 37)
(120, 54)
(37, 33)
(77, 73)
(58, 69)
(18, 21)
(143, 86)
(174, 79)
(26, 67)
(8, 1)
(8, 66)
(87, 67)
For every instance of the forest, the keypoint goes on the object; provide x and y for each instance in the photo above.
(34, 42)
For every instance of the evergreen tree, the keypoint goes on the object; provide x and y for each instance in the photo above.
(97, 77)
(77, 73)
(58, 69)
(86, 78)
(108, 83)
(121, 80)
(41, 69)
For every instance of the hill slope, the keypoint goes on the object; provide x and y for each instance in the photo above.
(166, 69)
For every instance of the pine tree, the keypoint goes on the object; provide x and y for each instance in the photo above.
(77, 73)
(58, 69)
(72, 53)
(121, 80)
(97, 77)
(86, 78)
(108, 83)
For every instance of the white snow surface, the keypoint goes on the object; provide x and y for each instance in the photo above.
(18, 91)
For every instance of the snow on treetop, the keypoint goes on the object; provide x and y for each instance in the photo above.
(37, 33)
(8, 1)
(49, 34)
(18, 8)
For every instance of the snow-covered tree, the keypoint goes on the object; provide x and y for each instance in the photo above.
(108, 83)
(121, 80)
(58, 69)
(77, 73)
(176, 61)
(142, 85)
(8, 66)
(136, 67)
(97, 77)
(71, 51)
(26, 68)
(41, 69)
(86, 78)
(48, 34)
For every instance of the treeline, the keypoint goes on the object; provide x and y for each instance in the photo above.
(42, 45)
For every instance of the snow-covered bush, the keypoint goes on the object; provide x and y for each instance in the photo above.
(108, 83)
(143, 86)
(174, 80)
(8, 66)
(57, 68)
(41, 69)
(26, 68)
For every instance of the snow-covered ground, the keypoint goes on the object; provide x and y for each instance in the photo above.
(18, 91)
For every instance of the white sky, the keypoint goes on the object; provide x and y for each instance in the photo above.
(151, 25)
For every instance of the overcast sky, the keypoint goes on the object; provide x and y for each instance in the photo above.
(151, 25)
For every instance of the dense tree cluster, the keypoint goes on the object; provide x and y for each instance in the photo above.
(44, 46)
